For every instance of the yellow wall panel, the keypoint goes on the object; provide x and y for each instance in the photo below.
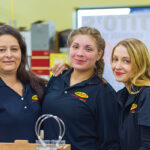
(58, 11)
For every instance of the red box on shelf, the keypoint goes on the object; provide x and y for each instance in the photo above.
(41, 53)
(40, 71)
(40, 62)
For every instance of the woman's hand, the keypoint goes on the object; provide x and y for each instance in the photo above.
(58, 68)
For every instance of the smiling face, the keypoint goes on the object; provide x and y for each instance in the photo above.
(121, 64)
(84, 53)
(10, 54)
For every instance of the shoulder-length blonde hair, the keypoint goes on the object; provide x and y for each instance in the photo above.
(140, 60)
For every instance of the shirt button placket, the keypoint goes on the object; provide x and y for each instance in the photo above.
(65, 92)
(25, 107)
(22, 99)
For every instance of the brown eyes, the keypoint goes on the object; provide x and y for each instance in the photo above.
(1, 50)
(74, 46)
(12, 49)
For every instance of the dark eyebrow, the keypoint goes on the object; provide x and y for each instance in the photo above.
(14, 45)
(89, 45)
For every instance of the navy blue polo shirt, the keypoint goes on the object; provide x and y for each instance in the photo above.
(134, 112)
(18, 114)
(88, 110)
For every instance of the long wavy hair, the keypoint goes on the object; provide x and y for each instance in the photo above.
(24, 74)
(140, 60)
(100, 43)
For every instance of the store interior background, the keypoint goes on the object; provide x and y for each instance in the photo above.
(58, 11)
(61, 13)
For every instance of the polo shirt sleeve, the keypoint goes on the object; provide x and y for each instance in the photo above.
(107, 119)
(144, 110)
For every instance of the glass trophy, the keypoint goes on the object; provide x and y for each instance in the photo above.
(42, 144)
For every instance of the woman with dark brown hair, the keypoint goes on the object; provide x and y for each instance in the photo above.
(21, 91)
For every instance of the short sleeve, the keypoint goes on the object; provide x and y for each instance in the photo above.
(144, 110)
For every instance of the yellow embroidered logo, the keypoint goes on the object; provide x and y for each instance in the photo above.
(35, 98)
(81, 94)
(133, 108)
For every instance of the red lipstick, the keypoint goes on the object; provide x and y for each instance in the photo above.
(118, 73)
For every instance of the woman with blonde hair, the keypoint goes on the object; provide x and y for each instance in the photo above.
(131, 65)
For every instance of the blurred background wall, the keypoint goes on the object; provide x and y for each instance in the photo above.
(58, 11)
